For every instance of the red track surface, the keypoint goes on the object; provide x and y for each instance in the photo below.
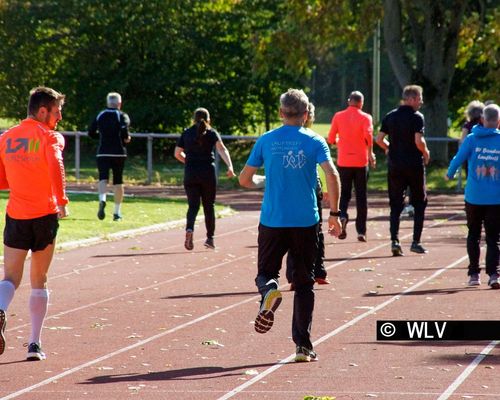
(128, 319)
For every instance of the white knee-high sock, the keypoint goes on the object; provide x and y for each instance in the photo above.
(7, 290)
(39, 301)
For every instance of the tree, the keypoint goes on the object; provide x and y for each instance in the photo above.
(422, 39)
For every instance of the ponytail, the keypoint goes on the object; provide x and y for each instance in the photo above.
(201, 118)
(201, 130)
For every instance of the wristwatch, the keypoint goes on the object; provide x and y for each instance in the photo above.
(335, 213)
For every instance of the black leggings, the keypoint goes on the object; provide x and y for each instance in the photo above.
(477, 216)
(399, 179)
(201, 189)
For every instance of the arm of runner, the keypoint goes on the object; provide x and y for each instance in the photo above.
(4, 184)
(333, 188)
(93, 129)
(179, 154)
(124, 125)
(382, 142)
(226, 157)
(422, 146)
(53, 155)
(369, 142)
(246, 178)
(332, 134)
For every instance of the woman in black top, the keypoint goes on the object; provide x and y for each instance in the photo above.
(195, 149)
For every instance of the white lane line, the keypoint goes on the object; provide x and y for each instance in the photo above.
(202, 318)
(125, 349)
(77, 271)
(470, 368)
(131, 292)
(352, 322)
(135, 291)
(133, 232)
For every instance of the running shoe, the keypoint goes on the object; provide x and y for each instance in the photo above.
(361, 237)
(265, 318)
(474, 280)
(396, 249)
(101, 214)
(3, 324)
(188, 243)
(493, 282)
(303, 354)
(117, 217)
(343, 232)
(323, 281)
(418, 248)
(35, 353)
(209, 243)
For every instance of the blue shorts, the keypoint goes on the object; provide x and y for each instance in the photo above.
(30, 234)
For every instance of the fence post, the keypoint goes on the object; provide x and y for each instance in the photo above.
(150, 159)
(77, 157)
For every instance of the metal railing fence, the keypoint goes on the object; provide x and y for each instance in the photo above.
(151, 136)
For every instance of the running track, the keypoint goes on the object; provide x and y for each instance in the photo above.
(143, 318)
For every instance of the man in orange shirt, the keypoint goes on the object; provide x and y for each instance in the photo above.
(352, 132)
(31, 166)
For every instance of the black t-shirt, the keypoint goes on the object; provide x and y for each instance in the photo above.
(200, 154)
(401, 125)
(111, 127)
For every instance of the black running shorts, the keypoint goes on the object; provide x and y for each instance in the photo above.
(30, 234)
(116, 164)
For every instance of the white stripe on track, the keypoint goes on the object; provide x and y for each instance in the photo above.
(340, 329)
(131, 292)
(209, 315)
(470, 368)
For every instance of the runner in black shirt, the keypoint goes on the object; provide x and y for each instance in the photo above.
(111, 127)
(407, 155)
(195, 149)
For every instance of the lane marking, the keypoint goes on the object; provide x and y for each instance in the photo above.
(470, 368)
(221, 310)
(76, 271)
(340, 329)
(137, 290)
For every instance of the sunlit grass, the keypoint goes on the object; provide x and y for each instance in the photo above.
(82, 223)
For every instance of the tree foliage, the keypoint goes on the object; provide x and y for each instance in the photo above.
(167, 57)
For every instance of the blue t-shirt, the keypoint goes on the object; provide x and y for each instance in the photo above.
(289, 155)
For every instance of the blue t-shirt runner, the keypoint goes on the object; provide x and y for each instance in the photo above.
(289, 155)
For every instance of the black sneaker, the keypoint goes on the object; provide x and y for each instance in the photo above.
(101, 214)
(361, 237)
(265, 317)
(209, 243)
(303, 354)
(3, 324)
(418, 248)
(396, 249)
(343, 233)
(493, 281)
(117, 217)
(35, 353)
(188, 242)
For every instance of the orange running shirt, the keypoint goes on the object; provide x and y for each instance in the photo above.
(352, 132)
(31, 166)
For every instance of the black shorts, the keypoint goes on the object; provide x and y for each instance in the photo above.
(104, 164)
(30, 234)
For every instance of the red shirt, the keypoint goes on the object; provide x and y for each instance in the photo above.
(352, 132)
(31, 166)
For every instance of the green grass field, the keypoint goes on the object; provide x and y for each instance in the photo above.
(82, 223)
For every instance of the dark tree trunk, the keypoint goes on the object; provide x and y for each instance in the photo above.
(434, 32)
